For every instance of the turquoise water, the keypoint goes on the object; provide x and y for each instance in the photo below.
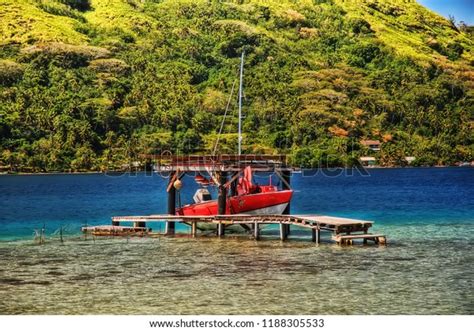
(427, 214)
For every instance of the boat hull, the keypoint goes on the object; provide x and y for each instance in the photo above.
(268, 203)
(259, 203)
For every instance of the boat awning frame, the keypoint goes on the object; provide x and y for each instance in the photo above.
(222, 162)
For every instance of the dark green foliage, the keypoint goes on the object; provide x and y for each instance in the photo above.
(9, 51)
(10, 72)
(454, 50)
(81, 5)
(62, 55)
(61, 11)
(359, 26)
(385, 8)
(361, 54)
(318, 2)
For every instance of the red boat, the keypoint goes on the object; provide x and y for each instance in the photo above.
(250, 199)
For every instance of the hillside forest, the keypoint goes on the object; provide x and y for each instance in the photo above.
(90, 85)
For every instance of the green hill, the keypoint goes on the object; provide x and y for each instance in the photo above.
(87, 85)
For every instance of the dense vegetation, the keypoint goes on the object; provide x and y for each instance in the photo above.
(89, 85)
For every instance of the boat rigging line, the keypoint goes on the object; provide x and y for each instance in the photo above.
(223, 119)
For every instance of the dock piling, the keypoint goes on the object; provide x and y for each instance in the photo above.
(286, 185)
(233, 185)
(220, 229)
(316, 235)
(222, 195)
(170, 226)
(221, 201)
(256, 231)
(283, 231)
(193, 229)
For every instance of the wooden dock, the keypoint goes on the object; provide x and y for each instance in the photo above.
(344, 230)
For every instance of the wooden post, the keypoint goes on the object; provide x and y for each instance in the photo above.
(285, 185)
(222, 193)
(193, 229)
(220, 229)
(286, 175)
(170, 226)
(283, 233)
(233, 185)
(256, 232)
(221, 201)
(316, 235)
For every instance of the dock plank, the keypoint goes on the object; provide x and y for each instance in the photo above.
(347, 239)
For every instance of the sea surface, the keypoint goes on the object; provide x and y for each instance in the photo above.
(427, 267)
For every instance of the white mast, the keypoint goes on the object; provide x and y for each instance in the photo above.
(240, 101)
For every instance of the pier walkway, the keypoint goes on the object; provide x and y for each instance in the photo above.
(344, 230)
